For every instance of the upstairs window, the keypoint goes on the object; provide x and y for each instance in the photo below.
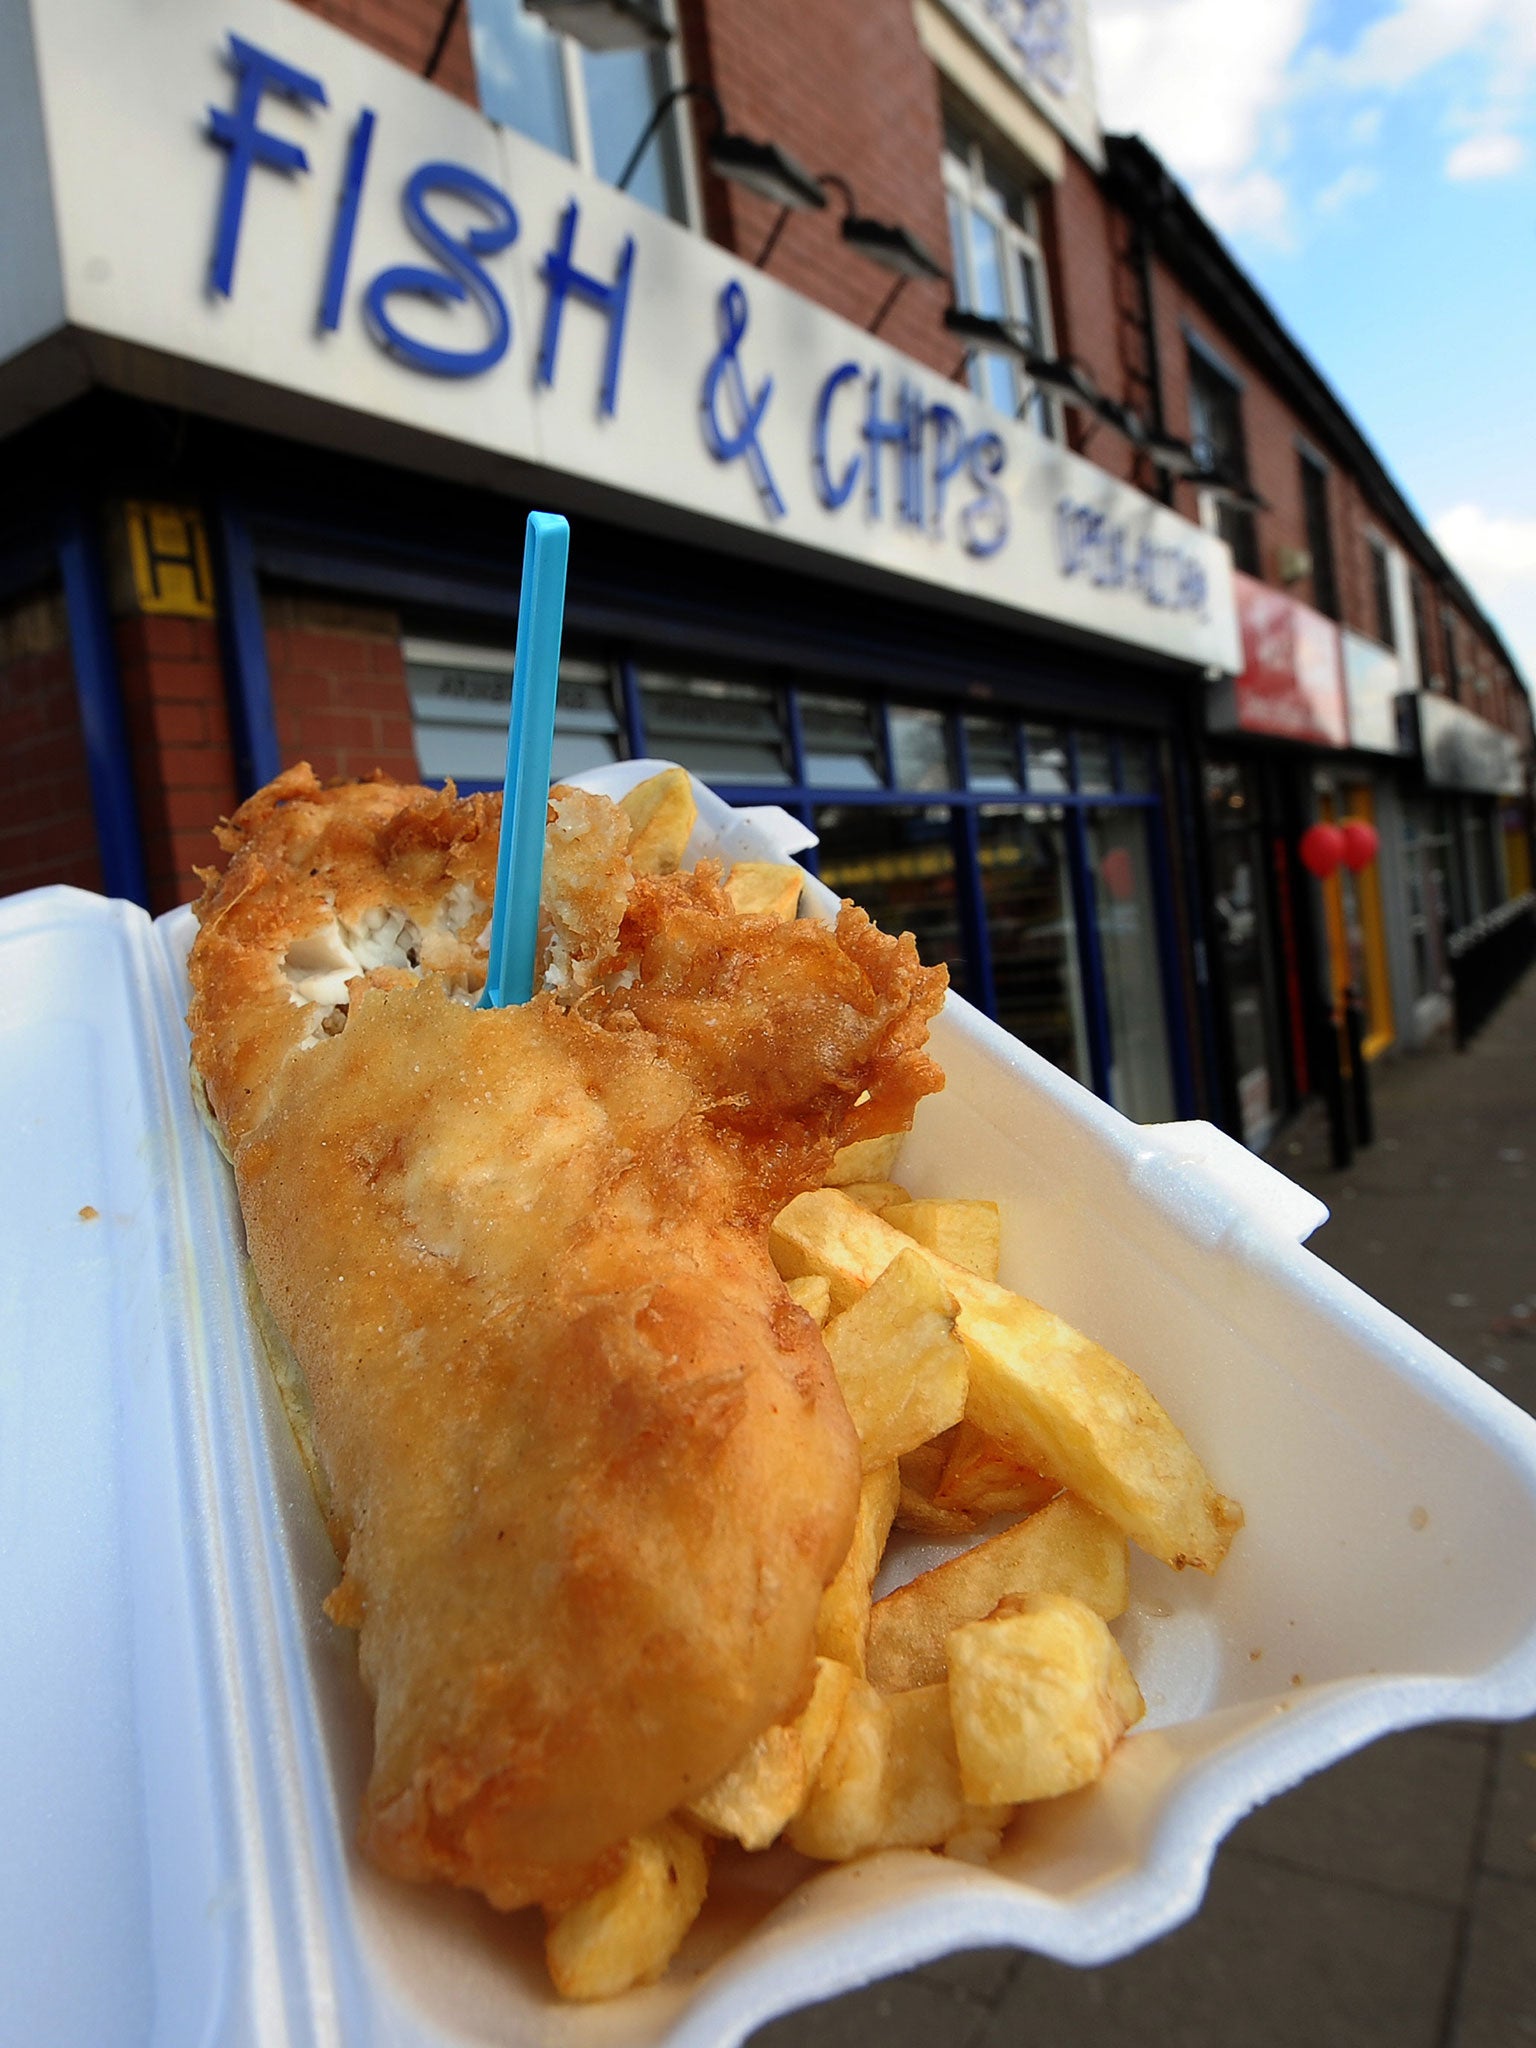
(1216, 431)
(1427, 677)
(1314, 501)
(999, 271)
(588, 105)
(1381, 591)
(1448, 631)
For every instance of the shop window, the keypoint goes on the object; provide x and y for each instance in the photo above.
(1138, 767)
(1245, 940)
(897, 861)
(461, 698)
(999, 270)
(1381, 591)
(1314, 501)
(992, 756)
(723, 732)
(1140, 1077)
(590, 106)
(1449, 630)
(1027, 890)
(841, 739)
(1046, 768)
(920, 750)
(1095, 764)
(1216, 430)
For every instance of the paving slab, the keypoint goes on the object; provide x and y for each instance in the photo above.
(1509, 1843)
(1496, 2007)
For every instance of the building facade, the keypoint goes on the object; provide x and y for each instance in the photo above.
(934, 473)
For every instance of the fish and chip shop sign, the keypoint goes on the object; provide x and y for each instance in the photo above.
(255, 215)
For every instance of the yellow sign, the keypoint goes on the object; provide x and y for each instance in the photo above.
(169, 553)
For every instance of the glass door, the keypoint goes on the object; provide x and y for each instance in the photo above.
(1245, 948)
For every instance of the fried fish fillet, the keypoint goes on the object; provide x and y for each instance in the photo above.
(586, 1462)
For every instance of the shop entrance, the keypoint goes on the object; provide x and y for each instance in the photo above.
(1357, 943)
(1255, 941)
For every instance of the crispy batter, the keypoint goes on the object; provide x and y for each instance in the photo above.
(586, 1456)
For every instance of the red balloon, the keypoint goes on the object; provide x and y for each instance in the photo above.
(1361, 844)
(1321, 850)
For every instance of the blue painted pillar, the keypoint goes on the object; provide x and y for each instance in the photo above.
(98, 687)
(243, 644)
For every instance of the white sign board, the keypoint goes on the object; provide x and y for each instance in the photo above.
(1043, 46)
(1463, 751)
(1374, 688)
(259, 217)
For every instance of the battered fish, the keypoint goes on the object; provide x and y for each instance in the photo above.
(586, 1461)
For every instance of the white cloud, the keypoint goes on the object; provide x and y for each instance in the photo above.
(1200, 80)
(1493, 155)
(1365, 126)
(1352, 183)
(1498, 558)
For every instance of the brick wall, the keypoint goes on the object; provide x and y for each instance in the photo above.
(338, 687)
(47, 826)
(178, 732)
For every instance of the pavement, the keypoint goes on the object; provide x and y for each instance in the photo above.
(1390, 1902)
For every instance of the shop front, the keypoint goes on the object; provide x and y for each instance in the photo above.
(338, 332)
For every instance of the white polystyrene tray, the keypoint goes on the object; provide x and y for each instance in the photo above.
(183, 1737)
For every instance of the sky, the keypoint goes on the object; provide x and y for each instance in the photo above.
(1372, 165)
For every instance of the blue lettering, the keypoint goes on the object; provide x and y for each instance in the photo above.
(984, 521)
(833, 493)
(904, 433)
(248, 144)
(461, 277)
(345, 231)
(949, 447)
(564, 280)
(1088, 542)
(725, 368)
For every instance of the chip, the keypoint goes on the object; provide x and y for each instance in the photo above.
(842, 1625)
(982, 1479)
(1054, 1399)
(1039, 1695)
(764, 888)
(661, 813)
(900, 1365)
(967, 1233)
(1066, 1548)
(878, 1195)
(868, 1159)
(813, 1295)
(765, 1788)
(627, 1933)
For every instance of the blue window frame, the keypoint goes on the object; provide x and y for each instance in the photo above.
(1031, 857)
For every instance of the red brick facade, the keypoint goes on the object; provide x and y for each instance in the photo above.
(47, 828)
(178, 730)
(338, 688)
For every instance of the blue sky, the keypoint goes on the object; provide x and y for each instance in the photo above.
(1372, 163)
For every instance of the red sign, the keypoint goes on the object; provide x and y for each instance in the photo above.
(1292, 684)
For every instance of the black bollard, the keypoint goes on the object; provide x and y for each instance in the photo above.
(1328, 1065)
(1359, 1072)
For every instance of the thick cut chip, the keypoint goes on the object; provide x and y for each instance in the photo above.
(814, 1296)
(627, 1933)
(890, 1780)
(765, 1789)
(842, 1625)
(661, 813)
(1059, 1402)
(1040, 1694)
(1065, 1548)
(898, 1361)
(868, 1159)
(918, 1515)
(764, 888)
(878, 1195)
(981, 1479)
(968, 1233)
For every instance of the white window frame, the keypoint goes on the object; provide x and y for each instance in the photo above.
(578, 115)
(966, 183)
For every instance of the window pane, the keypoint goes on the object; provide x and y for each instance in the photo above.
(724, 732)
(517, 65)
(460, 710)
(1046, 760)
(992, 757)
(1140, 1082)
(623, 87)
(1034, 936)
(1138, 767)
(841, 741)
(920, 750)
(986, 267)
(898, 863)
(1095, 770)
